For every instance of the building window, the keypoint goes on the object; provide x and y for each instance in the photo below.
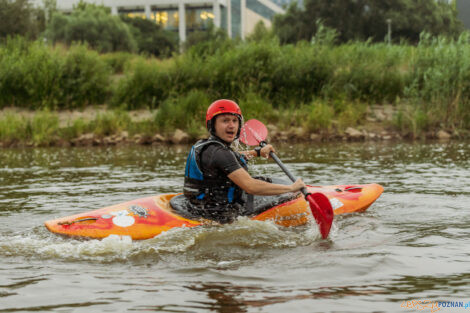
(198, 18)
(167, 18)
(136, 15)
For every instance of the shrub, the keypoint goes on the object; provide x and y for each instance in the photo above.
(254, 106)
(185, 112)
(44, 127)
(351, 114)
(145, 85)
(13, 127)
(371, 73)
(108, 123)
(29, 74)
(319, 116)
(84, 79)
(412, 120)
(35, 76)
(441, 78)
(117, 61)
(208, 42)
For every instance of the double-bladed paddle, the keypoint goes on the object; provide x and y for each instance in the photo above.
(254, 133)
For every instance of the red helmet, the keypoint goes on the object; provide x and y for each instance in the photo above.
(222, 106)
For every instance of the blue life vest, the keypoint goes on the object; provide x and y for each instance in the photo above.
(211, 191)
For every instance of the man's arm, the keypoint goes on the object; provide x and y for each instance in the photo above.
(259, 187)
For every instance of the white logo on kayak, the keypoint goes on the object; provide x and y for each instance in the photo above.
(335, 203)
(122, 218)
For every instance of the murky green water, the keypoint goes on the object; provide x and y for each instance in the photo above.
(412, 244)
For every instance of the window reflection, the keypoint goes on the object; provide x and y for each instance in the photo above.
(137, 15)
(196, 18)
(168, 19)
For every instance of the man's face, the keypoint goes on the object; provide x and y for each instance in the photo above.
(226, 127)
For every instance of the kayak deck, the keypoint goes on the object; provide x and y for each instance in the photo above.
(147, 217)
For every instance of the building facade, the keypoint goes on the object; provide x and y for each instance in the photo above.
(238, 17)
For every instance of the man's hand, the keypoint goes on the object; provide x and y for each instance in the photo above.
(266, 150)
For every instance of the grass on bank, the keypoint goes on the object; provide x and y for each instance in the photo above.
(45, 127)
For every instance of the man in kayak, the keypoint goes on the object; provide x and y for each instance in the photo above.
(216, 176)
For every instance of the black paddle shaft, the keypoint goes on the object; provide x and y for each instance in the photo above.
(283, 167)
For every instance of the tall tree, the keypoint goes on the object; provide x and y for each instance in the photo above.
(151, 38)
(293, 26)
(92, 24)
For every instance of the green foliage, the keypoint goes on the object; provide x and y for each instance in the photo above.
(318, 116)
(300, 73)
(74, 129)
(84, 79)
(412, 120)
(109, 123)
(117, 61)
(29, 74)
(145, 85)
(371, 73)
(207, 42)
(19, 17)
(434, 17)
(441, 78)
(33, 75)
(324, 35)
(256, 107)
(94, 25)
(248, 67)
(321, 115)
(276, 73)
(268, 79)
(41, 129)
(292, 27)
(351, 114)
(44, 127)
(151, 38)
(367, 19)
(13, 127)
(184, 112)
(260, 33)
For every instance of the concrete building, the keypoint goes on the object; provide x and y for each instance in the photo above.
(238, 17)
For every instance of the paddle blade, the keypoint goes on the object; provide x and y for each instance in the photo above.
(253, 132)
(322, 212)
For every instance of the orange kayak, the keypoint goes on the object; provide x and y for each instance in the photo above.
(148, 217)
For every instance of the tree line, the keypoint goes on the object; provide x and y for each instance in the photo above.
(369, 19)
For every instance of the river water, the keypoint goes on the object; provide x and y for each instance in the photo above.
(412, 244)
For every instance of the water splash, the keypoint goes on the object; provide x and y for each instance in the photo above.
(227, 243)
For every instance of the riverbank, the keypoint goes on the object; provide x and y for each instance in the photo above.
(98, 126)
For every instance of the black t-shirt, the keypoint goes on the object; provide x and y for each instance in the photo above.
(217, 161)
